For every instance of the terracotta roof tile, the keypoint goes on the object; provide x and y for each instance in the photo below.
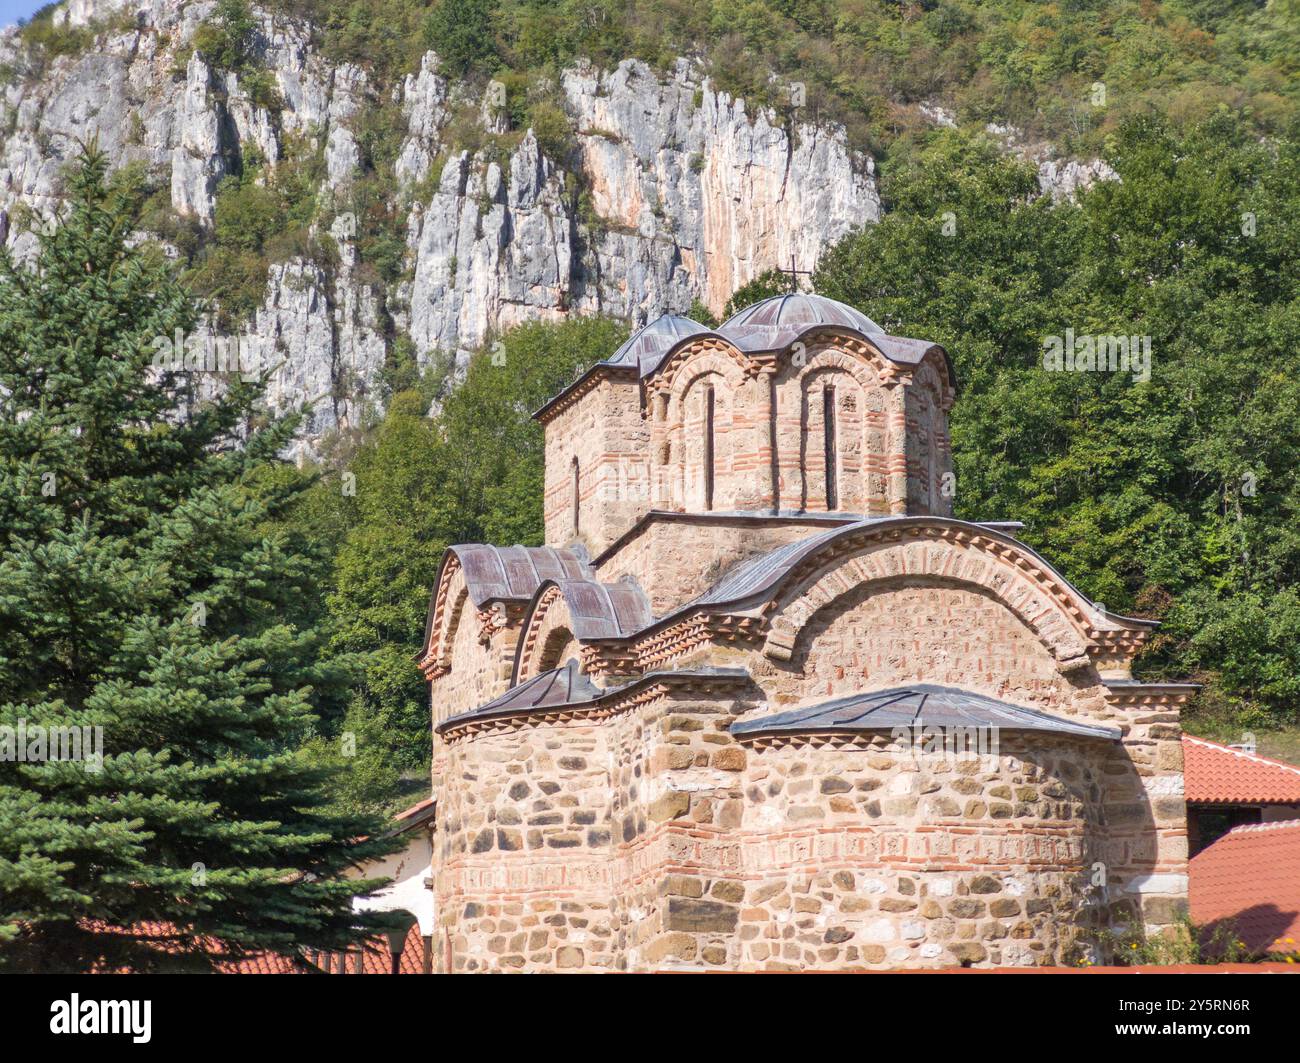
(375, 957)
(1219, 774)
(415, 809)
(1250, 879)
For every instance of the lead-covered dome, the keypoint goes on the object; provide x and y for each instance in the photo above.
(646, 347)
(797, 312)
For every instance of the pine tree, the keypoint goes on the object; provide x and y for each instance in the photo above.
(146, 590)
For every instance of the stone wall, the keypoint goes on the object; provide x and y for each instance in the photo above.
(476, 662)
(931, 485)
(600, 435)
(522, 850)
(651, 839)
(870, 856)
(875, 637)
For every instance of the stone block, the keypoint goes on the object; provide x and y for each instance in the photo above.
(700, 916)
(672, 805)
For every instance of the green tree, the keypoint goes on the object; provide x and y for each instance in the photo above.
(226, 40)
(764, 286)
(145, 591)
(462, 34)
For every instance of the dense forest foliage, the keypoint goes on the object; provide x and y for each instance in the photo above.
(862, 61)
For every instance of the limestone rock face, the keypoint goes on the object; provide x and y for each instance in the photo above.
(666, 191)
(686, 196)
(1061, 179)
(731, 193)
(1057, 177)
(322, 336)
(202, 155)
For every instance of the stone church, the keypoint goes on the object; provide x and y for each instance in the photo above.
(762, 703)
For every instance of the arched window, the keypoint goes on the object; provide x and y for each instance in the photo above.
(575, 494)
(708, 448)
(829, 449)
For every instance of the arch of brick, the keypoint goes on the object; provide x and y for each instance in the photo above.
(547, 629)
(449, 601)
(944, 552)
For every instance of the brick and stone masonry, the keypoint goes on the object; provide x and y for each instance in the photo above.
(755, 521)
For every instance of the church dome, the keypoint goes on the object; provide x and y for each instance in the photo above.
(798, 312)
(646, 347)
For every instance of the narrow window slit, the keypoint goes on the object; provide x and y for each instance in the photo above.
(708, 448)
(828, 425)
(575, 496)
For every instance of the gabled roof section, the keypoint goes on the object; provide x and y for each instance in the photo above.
(1216, 774)
(919, 705)
(760, 575)
(502, 573)
(764, 571)
(595, 611)
(1248, 882)
(560, 686)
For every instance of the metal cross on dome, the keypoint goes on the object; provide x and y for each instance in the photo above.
(793, 274)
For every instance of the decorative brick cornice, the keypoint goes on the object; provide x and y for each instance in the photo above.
(892, 374)
(500, 616)
(1152, 697)
(665, 375)
(1112, 649)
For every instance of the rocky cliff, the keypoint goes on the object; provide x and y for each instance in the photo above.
(662, 190)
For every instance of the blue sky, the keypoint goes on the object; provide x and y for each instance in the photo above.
(12, 10)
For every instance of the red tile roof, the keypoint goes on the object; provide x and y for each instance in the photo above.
(375, 956)
(1250, 880)
(1218, 774)
(415, 809)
